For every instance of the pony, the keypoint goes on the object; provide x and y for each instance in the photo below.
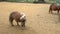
(18, 17)
(54, 7)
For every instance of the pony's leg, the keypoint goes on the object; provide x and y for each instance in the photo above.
(23, 24)
(11, 21)
(50, 10)
(58, 11)
(17, 23)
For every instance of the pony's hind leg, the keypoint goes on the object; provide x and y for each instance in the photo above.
(11, 21)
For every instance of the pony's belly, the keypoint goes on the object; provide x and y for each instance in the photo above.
(55, 10)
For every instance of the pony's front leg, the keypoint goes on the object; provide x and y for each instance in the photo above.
(17, 22)
(58, 11)
(23, 24)
(50, 11)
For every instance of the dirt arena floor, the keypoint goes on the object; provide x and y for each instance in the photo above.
(39, 21)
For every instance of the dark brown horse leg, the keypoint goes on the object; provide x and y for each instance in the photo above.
(17, 23)
(49, 10)
(58, 11)
(11, 21)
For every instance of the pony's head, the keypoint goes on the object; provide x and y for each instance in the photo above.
(23, 17)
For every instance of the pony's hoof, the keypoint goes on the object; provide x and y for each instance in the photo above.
(12, 25)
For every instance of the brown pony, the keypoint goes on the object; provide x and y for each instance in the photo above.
(18, 17)
(54, 7)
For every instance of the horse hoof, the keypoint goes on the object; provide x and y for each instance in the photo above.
(23, 28)
(18, 25)
(12, 25)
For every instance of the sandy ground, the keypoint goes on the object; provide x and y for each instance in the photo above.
(39, 21)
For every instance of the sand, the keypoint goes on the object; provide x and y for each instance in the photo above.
(39, 21)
